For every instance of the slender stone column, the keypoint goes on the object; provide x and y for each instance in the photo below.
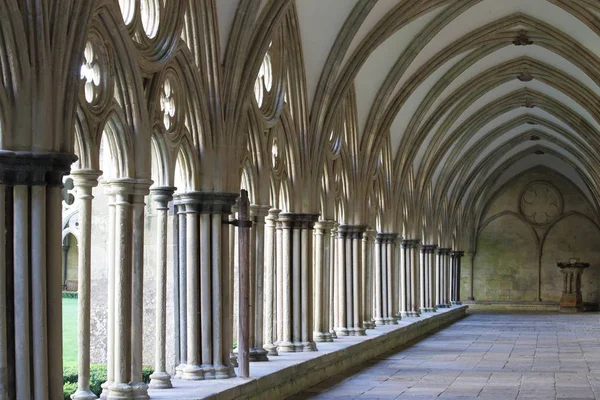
(31, 274)
(380, 281)
(342, 309)
(333, 281)
(120, 388)
(431, 250)
(394, 277)
(297, 282)
(3, 287)
(279, 281)
(423, 278)
(257, 294)
(405, 269)
(414, 278)
(175, 277)
(471, 267)
(385, 308)
(442, 277)
(321, 285)
(228, 274)
(367, 278)
(84, 181)
(208, 285)
(181, 294)
(140, 190)
(110, 325)
(456, 261)
(161, 379)
(448, 283)
(270, 284)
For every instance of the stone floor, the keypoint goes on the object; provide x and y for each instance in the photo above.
(484, 356)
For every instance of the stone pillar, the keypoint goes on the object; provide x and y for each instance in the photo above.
(271, 250)
(423, 279)
(428, 266)
(350, 280)
(228, 276)
(140, 190)
(333, 281)
(257, 282)
(456, 267)
(405, 280)
(181, 293)
(367, 277)
(208, 285)
(84, 181)
(31, 274)
(321, 285)
(161, 197)
(384, 279)
(125, 312)
(415, 304)
(443, 255)
(471, 267)
(279, 280)
(296, 281)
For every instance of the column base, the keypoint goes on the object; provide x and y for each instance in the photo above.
(456, 303)
(320, 337)
(286, 347)
(415, 314)
(381, 321)
(83, 395)
(140, 390)
(258, 354)
(208, 371)
(340, 331)
(443, 306)
(369, 324)
(179, 371)
(160, 380)
(393, 320)
(306, 346)
(358, 331)
(192, 373)
(233, 360)
(105, 390)
(271, 349)
(224, 372)
(405, 314)
(120, 391)
(333, 334)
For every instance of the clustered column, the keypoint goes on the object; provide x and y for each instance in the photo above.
(296, 282)
(428, 273)
(455, 277)
(409, 264)
(442, 278)
(180, 285)
(84, 181)
(124, 380)
(207, 285)
(322, 286)
(30, 274)
(257, 261)
(384, 278)
(367, 277)
(349, 247)
(271, 251)
(333, 281)
(161, 197)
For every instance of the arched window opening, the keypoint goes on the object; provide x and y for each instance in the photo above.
(150, 14)
(264, 80)
(127, 10)
(90, 73)
(181, 181)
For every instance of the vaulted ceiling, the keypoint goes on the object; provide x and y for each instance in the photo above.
(465, 93)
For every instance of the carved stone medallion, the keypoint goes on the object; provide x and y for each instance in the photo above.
(541, 203)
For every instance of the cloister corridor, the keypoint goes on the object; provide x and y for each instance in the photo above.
(487, 355)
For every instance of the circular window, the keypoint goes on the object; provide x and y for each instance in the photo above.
(541, 203)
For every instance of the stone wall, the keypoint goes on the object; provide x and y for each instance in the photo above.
(534, 221)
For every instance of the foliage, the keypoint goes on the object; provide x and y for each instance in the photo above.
(97, 378)
(69, 295)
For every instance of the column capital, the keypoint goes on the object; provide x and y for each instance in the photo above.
(297, 220)
(34, 168)
(208, 202)
(273, 213)
(386, 237)
(444, 251)
(85, 177)
(351, 231)
(325, 226)
(410, 243)
(162, 195)
(369, 234)
(457, 253)
(259, 211)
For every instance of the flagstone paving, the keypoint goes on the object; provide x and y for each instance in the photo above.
(484, 356)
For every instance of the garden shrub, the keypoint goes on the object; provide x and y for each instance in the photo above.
(97, 378)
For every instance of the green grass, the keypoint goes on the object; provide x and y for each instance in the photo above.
(69, 331)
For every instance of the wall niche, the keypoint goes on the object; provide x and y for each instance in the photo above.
(536, 219)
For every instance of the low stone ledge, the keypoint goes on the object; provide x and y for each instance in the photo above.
(288, 374)
(485, 305)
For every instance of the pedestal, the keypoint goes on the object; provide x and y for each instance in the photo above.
(572, 299)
